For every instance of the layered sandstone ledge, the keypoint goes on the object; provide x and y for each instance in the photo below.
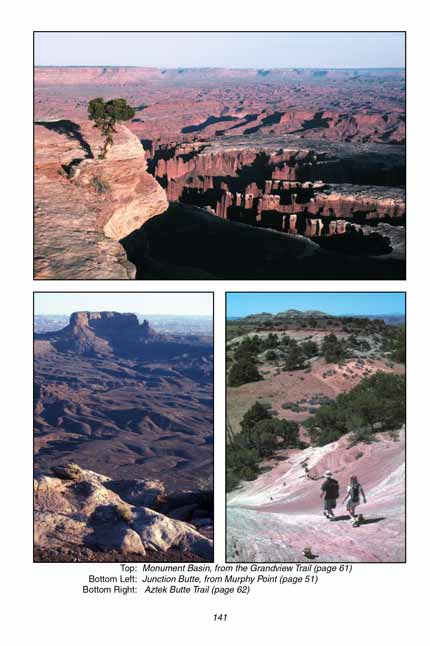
(84, 206)
(79, 508)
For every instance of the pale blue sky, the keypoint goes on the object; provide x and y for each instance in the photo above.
(222, 49)
(186, 303)
(376, 303)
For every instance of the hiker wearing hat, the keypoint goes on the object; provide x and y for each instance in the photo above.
(353, 493)
(330, 492)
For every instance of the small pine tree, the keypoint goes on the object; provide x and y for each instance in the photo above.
(105, 116)
(243, 372)
(295, 358)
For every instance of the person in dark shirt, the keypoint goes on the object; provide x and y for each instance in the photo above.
(330, 493)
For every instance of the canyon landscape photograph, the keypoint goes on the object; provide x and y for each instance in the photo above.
(123, 427)
(315, 427)
(145, 168)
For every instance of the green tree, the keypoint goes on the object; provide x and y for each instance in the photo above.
(310, 348)
(399, 345)
(264, 437)
(332, 349)
(106, 115)
(289, 433)
(243, 372)
(255, 414)
(260, 436)
(377, 403)
(270, 342)
(249, 347)
(295, 357)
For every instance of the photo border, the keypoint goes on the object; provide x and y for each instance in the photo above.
(213, 420)
(218, 31)
(403, 562)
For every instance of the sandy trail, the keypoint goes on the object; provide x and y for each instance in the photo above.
(275, 517)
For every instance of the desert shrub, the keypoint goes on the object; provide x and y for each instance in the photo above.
(243, 371)
(398, 350)
(295, 358)
(256, 413)
(270, 342)
(312, 410)
(332, 349)
(361, 435)
(310, 348)
(294, 406)
(377, 403)
(248, 348)
(260, 437)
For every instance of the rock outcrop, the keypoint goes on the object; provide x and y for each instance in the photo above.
(80, 509)
(83, 203)
(101, 333)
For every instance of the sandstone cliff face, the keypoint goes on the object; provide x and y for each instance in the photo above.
(82, 203)
(134, 195)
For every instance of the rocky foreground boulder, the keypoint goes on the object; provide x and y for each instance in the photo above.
(79, 509)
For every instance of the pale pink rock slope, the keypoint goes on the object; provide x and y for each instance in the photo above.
(273, 518)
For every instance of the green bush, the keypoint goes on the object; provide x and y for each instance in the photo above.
(332, 349)
(105, 116)
(295, 358)
(377, 403)
(260, 437)
(310, 348)
(242, 372)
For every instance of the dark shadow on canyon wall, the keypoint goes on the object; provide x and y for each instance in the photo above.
(70, 129)
(189, 243)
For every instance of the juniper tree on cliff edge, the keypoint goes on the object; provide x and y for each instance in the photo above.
(105, 117)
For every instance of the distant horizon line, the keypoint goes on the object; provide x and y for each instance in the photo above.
(216, 67)
(117, 312)
(322, 312)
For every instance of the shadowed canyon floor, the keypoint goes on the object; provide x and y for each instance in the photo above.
(115, 397)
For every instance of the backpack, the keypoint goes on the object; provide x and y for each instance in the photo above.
(332, 490)
(355, 493)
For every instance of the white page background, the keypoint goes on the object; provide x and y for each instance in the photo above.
(43, 603)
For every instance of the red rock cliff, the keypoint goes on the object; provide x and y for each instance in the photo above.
(81, 201)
